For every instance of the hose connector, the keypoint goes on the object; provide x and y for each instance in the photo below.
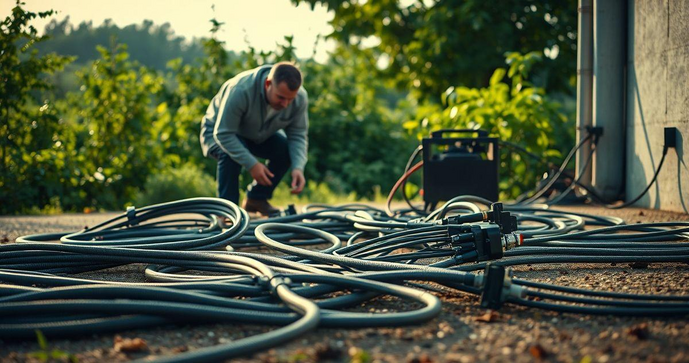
(512, 240)
(272, 283)
(498, 287)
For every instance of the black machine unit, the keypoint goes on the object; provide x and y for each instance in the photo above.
(454, 166)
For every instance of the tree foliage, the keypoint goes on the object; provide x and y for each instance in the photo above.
(151, 45)
(432, 45)
(30, 128)
(116, 116)
(129, 132)
(355, 141)
(516, 112)
(190, 89)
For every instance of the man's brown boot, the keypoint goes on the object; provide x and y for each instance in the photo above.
(260, 206)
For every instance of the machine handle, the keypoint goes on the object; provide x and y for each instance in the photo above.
(439, 133)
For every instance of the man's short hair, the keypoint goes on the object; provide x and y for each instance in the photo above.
(286, 72)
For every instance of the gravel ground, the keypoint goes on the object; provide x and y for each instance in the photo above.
(459, 334)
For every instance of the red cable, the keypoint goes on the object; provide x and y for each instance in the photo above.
(397, 185)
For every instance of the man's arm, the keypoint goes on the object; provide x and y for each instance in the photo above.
(232, 108)
(297, 142)
(297, 137)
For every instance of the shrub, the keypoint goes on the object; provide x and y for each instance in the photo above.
(516, 112)
(172, 184)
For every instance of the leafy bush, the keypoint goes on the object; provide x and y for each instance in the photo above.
(32, 164)
(431, 45)
(517, 112)
(176, 183)
(356, 143)
(131, 133)
(115, 118)
(320, 193)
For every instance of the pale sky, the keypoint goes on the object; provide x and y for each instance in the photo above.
(263, 22)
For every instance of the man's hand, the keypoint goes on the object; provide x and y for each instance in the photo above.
(298, 181)
(261, 174)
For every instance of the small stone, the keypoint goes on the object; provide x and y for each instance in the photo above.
(489, 317)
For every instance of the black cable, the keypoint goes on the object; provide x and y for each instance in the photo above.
(552, 181)
(315, 275)
(653, 180)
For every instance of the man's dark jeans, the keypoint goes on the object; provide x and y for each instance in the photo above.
(274, 149)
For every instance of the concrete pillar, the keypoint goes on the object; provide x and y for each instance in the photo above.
(609, 57)
(584, 85)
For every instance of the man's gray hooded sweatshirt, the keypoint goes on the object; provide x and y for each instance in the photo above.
(240, 109)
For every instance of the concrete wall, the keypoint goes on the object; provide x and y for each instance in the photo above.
(658, 97)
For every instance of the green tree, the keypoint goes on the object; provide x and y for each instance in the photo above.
(115, 118)
(355, 142)
(432, 45)
(150, 44)
(31, 131)
(186, 97)
(346, 99)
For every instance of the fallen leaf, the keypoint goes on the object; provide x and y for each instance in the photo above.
(129, 345)
(326, 351)
(489, 317)
(422, 359)
(180, 349)
(639, 331)
(538, 352)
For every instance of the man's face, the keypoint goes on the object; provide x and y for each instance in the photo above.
(279, 96)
